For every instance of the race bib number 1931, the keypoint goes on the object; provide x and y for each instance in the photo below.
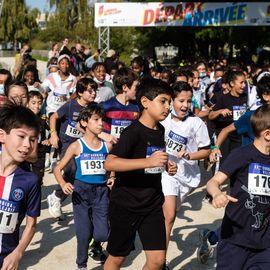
(92, 164)
(259, 179)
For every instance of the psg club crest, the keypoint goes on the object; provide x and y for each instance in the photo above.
(17, 194)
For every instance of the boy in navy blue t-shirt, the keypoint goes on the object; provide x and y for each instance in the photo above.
(242, 126)
(19, 190)
(67, 115)
(245, 232)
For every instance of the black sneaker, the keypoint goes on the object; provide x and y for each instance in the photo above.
(166, 267)
(204, 249)
(97, 255)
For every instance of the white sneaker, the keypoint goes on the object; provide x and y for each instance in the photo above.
(52, 165)
(47, 162)
(54, 205)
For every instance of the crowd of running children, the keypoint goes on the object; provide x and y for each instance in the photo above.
(129, 142)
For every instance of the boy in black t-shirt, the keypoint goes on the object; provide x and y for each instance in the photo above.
(245, 231)
(136, 198)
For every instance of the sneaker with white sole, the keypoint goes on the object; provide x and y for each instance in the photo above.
(96, 253)
(54, 205)
(52, 165)
(166, 267)
(205, 250)
(47, 163)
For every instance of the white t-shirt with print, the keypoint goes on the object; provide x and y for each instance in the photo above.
(190, 135)
(59, 90)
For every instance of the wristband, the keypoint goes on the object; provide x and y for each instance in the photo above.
(52, 130)
(214, 147)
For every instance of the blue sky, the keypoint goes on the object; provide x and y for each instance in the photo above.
(42, 5)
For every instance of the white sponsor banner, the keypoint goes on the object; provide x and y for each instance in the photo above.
(182, 14)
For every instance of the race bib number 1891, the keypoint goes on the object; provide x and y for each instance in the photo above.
(259, 179)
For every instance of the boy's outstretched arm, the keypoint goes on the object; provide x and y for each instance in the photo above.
(117, 164)
(13, 259)
(220, 199)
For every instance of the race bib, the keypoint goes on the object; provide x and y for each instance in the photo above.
(9, 212)
(72, 131)
(92, 164)
(238, 111)
(175, 143)
(118, 125)
(259, 179)
(59, 99)
(149, 151)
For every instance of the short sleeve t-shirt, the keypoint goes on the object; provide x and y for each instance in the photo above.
(246, 222)
(243, 127)
(119, 116)
(235, 104)
(68, 115)
(189, 135)
(19, 196)
(139, 190)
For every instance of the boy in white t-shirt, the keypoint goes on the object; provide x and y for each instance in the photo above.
(187, 141)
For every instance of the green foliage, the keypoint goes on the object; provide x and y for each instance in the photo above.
(70, 20)
(16, 22)
(39, 57)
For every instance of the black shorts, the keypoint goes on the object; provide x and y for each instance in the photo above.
(124, 225)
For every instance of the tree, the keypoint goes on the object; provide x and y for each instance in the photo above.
(73, 19)
(16, 23)
(69, 12)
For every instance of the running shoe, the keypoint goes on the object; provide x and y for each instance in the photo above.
(96, 253)
(54, 205)
(204, 251)
(52, 165)
(166, 267)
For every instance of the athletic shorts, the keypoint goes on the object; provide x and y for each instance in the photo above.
(171, 186)
(125, 224)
